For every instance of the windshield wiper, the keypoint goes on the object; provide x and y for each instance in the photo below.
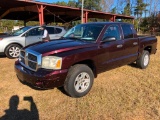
(74, 38)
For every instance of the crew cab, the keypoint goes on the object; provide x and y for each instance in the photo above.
(83, 52)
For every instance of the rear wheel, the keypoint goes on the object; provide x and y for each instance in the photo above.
(143, 61)
(13, 51)
(79, 80)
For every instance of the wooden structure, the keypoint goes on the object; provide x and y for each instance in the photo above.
(29, 10)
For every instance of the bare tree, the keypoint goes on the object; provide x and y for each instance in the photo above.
(153, 6)
(121, 4)
(106, 5)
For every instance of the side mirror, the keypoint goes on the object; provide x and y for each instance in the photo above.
(109, 39)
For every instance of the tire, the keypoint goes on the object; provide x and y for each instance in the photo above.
(79, 80)
(13, 51)
(143, 61)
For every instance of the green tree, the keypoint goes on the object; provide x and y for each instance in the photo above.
(144, 26)
(151, 22)
(18, 23)
(61, 3)
(32, 23)
(72, 3)
(7, 24)
(127, 9)
(113, 10)
(91, 4)
(140, 8)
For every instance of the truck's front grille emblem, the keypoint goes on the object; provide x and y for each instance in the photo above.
(30, 59)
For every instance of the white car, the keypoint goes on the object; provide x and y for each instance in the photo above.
(10, 45)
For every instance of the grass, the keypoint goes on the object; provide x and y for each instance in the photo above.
(125, 93)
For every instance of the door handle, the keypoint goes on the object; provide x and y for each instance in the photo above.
(119, 46)
(135, 43)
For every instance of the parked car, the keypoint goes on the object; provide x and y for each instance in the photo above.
(85, 50)
(2, 34)
(11, 44)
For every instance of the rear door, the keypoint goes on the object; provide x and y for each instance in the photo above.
(53, 33)
(130, 43)
(111, 52)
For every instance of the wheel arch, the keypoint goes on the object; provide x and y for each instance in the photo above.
(11, 44)
(148, 48)
(90, 64)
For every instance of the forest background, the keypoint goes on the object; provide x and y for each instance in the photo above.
(146, 13)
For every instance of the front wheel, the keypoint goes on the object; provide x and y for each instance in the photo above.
(143, 61)
(79, 80)
(13, 51)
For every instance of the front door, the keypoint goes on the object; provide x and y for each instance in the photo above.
(33, 36)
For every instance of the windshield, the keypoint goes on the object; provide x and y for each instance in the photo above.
(20, 31)
(87, 32)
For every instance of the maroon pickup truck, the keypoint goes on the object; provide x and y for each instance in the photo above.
(84, 51)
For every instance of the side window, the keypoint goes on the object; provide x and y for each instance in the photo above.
(58, 30)
(34, 32)
(127, 31)
(112, 31)
(51, 30)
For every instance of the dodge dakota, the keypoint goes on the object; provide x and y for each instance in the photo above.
(84, 51)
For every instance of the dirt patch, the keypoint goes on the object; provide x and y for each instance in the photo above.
(125, 93)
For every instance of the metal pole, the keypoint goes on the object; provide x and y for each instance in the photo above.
(42, 14)
(82, 11)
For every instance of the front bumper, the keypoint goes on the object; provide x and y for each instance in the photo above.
(42, 78)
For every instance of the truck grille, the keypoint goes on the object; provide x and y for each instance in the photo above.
(22, 56)
(30, 59)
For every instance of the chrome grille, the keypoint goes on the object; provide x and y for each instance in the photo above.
(22, 56)
(30, 59)
(32, 65)
(22, 53)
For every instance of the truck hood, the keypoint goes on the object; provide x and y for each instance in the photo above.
(57, 46)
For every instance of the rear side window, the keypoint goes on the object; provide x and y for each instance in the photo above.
(51, 30)
(127, 31)
(59, 30)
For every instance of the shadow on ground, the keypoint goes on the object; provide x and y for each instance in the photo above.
(134, 65)
(63, 91)
(13, 113)
(2, 56)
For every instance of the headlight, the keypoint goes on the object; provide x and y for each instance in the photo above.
(52, 62)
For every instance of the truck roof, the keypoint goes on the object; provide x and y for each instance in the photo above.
(104, 23)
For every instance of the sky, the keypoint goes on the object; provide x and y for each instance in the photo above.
(54, 1)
